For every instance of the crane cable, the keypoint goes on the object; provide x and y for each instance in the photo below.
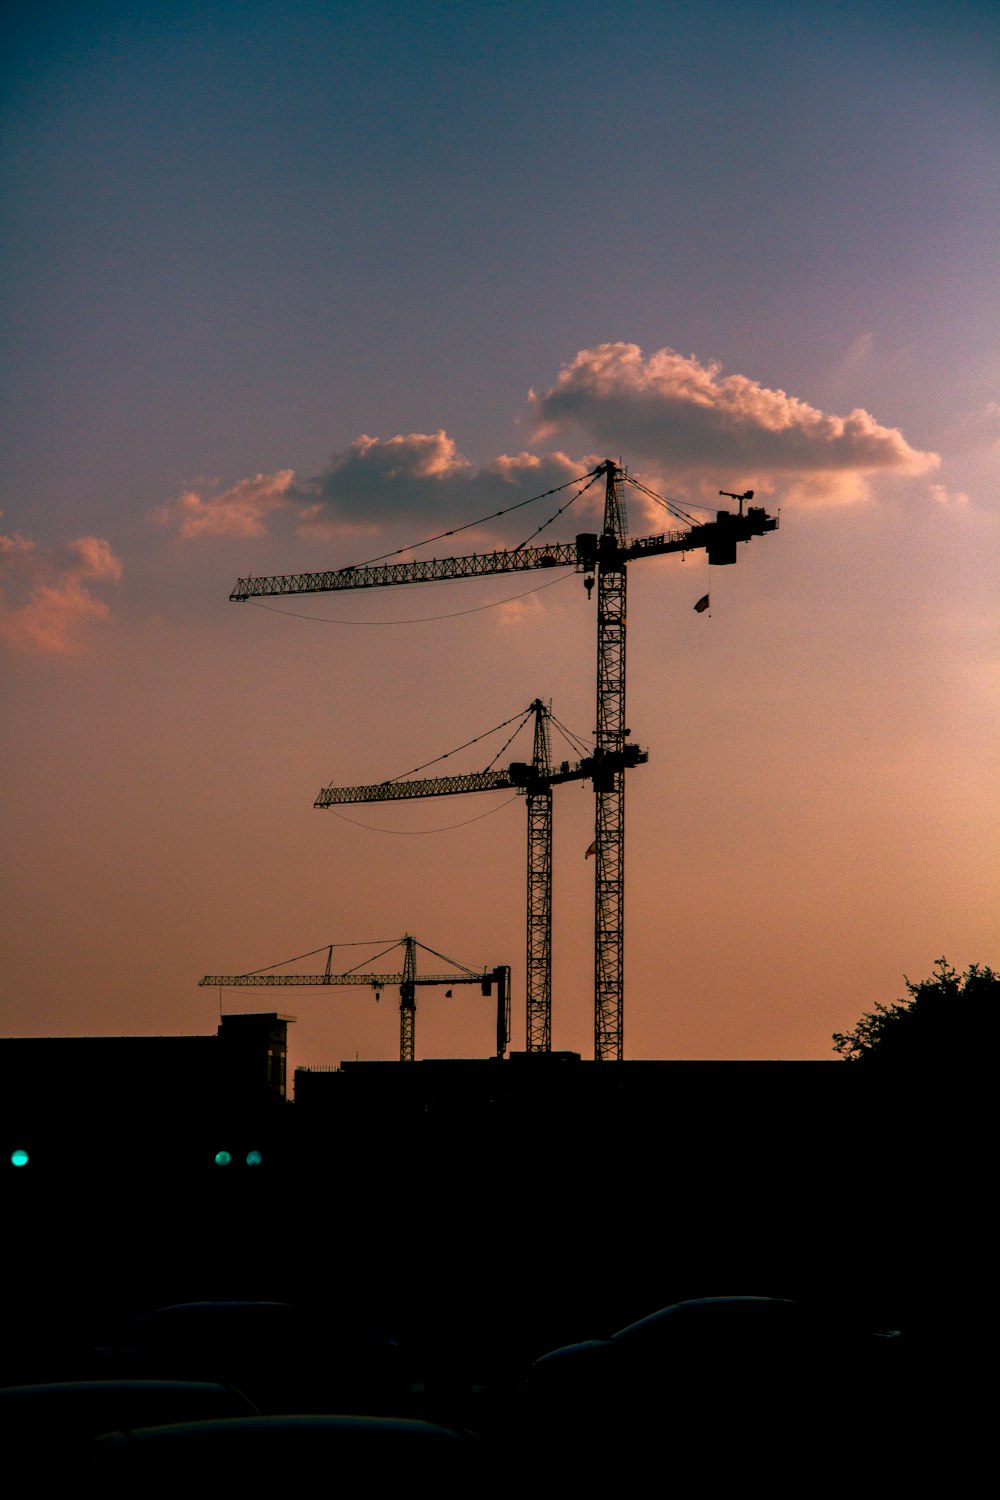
(475, 973)
(575, 741)
(371, 943)
(323, 948)
(375, 956)
(468, 526)
(671, 506)
(510, 740)
(475, 741)
(454, 614)
(413, 833)
(556, 514)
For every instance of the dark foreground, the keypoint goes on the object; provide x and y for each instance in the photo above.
(429, 1267)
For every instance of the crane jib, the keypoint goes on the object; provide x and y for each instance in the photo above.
(718, 537)
(519, 776)
(399, 791)
(372, 981)
(430, 570)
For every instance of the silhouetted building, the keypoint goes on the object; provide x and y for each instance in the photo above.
(716, 1099)
(130, 1089)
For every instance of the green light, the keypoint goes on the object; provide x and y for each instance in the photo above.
(222, 1158)
(254, 1158)
(19, 1158)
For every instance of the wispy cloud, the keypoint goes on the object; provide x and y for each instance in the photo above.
(943, 496)
(687, 423)
(979, 429)
(46, 598)
(236, 512)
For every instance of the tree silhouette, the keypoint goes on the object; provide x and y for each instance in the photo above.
(947, 1016)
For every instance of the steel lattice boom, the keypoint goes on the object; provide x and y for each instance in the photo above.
(717, 537)
(430, 570)
(402, 791)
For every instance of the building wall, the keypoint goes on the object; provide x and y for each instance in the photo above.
(110, 1094)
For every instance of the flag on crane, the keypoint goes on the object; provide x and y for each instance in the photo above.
(447, 994)
(702, 605)
(591, 850)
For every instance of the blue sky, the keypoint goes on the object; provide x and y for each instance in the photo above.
(241, 236)
(243, 229)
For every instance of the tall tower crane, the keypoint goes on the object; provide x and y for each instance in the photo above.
(408, 980)
(535, 781)
(604, 558)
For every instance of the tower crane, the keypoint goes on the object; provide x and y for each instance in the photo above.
(408, 980)
(535, 781)
(603, 559)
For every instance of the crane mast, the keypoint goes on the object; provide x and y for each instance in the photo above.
(607, 557)
(408, 1002)
(538, 940)
(609, 788)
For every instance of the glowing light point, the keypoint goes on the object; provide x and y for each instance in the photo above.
(254, 1158)
(222, 1158)
(19, 1157)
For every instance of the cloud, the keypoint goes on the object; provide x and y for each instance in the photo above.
(424, 476)
(679, 422)
(685, 421)
(418, 476)
(976, 429)
(236, 512)
(957, 499)
(46, 600)
(523, 608)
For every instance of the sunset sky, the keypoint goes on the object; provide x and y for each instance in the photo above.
(288, 287)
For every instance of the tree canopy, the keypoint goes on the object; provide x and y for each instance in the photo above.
(945, 1016)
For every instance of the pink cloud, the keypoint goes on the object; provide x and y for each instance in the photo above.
(687, 422)
(236, 512)
(678, 421)
(418, 475)
(421, 475)
(46, 601)
(956, 499)
(977, 429)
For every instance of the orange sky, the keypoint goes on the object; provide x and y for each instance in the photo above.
(282, 304)
(818, 814)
